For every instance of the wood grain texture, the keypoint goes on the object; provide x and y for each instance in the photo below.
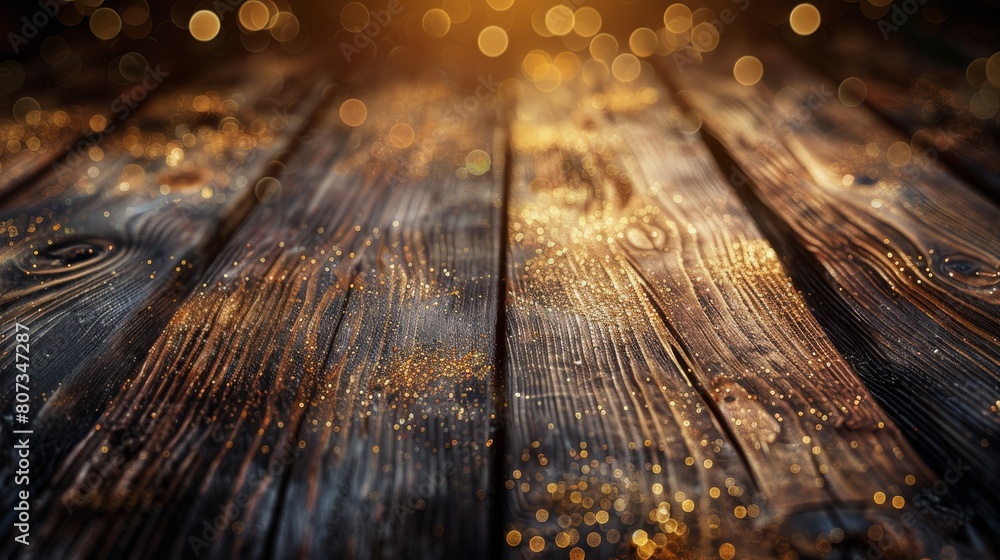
(669, 391)
(328, 388)
(96, 254)
(899, 258)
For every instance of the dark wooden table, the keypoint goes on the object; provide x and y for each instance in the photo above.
(676, 318)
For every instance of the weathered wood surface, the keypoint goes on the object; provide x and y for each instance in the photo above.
(900, 260)
(928, 97)
(327, 389)
(242, 358)
(97, 251)
(659, 357)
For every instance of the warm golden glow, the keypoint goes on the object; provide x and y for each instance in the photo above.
(559, 20)
(105, 23)
(436, 22)
(748, 70)
(254, 15)
(643, 42)
(804, 19)
(677, 18)
(354, 16)
(586, 22)
(353, 112)
(204, 25)
(493, 41)
(401, 135)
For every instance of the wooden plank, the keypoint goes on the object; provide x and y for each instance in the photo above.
(95, 256)
(930, 98)
(663, 372)
(328, 389)
(899, 258)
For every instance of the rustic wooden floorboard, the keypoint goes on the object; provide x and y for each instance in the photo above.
(328, 389)
(659, 356)
(103, 248)
(926, 96)
(900, 263)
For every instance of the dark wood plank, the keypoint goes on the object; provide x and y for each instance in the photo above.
(329, 388)
(670, 393)
(899, 259)
(95, 257)
(930, 98)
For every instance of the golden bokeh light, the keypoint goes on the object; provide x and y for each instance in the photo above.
(531, 65)
(852, 92)
(586, 21)
(705, 37)
(285, 27)
(984, 104)
(976, 72)
(804, 19)
(254, 15)
(898, 154)
(500, 5)
(677, 18)
(643, 42)
(626, 67)
(568, 64)
(204, 25)
(458, 10)
(353, 112)
(493, 41)
(401, 135)
(548, 77)
(559, 20)
(993, 69)
(24, 107)
(478, 162)
(436, 23)
(354, 16)
(748, 70)
(105, 23)
(604, 47)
